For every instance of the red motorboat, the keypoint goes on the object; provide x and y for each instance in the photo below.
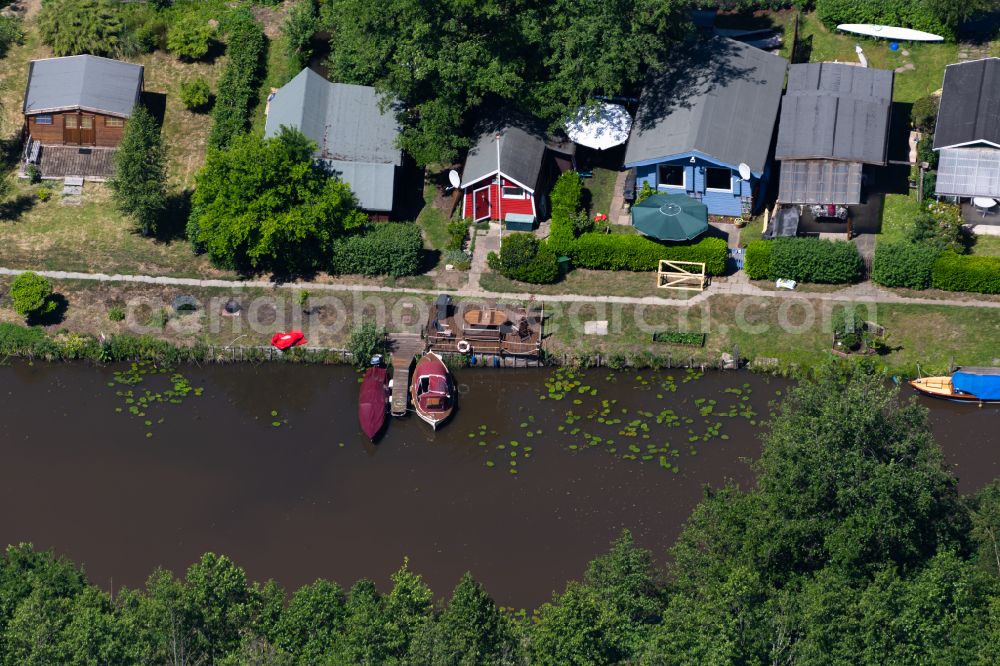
(373, 403)
(432, 390)
(285, 340)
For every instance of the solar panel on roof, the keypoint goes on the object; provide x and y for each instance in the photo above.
(969, 172)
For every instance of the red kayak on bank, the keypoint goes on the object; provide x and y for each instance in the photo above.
(285, 340)
(373, 402)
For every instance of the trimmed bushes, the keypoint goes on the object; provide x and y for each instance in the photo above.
(565, 200)
(955, 272)
(757, 262)
(522, 257)
(919, 14)
(904, 264)
(237, 88)
(814, 260)
(389, 248)
(637, 253)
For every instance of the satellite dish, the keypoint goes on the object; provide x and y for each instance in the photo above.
(745, 171)
(454, 178)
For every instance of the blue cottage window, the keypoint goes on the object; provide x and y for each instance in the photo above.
(43, 119)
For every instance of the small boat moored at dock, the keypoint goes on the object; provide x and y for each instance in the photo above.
(978, 385)
(432, 390)
(373, 401)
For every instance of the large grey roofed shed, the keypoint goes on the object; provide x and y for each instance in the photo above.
(721, 99)
(835, 111)
(970, 104)
(85, 82)
(521, 154)
(351, 131)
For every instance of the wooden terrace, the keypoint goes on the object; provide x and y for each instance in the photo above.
(57, 162)
(484, 328)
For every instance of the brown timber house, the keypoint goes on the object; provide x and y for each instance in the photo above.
(74, 107)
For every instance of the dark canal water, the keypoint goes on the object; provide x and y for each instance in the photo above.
(268, 465)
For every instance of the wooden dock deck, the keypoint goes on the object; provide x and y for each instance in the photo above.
(404, 346)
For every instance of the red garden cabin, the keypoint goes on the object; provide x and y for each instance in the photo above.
(528, 166)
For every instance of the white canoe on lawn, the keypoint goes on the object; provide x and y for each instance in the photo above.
(890, 32)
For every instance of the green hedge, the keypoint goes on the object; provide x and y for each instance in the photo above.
(565, 199)
(918, 14)
(904, 264)
(637, 253)
(237, 88)
(757, 262)
(956, 272)
(523, 257)
(814, 260)
(388, 248)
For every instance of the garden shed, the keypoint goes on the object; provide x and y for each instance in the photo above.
(355, 138)
(834, 120)
(967, 136)
(708, 117)
(75, 110)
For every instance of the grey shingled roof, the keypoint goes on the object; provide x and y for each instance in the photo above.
(720, 99)
(970, 104)
(86, 82)
(835, 111)
(521, 155)
(351, 132)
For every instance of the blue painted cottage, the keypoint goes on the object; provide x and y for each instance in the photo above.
(713, 110)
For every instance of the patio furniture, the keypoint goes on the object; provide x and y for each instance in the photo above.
(984, 204)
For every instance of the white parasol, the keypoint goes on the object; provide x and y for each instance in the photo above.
(601, 127)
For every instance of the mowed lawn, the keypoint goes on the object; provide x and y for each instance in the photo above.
(796, 333)
(91, 237)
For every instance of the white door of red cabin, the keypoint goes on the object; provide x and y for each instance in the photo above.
(481, 204)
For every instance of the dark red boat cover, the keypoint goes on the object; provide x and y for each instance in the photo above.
(373, 402)
(283, 340)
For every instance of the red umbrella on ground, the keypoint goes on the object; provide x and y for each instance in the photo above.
(284, 340)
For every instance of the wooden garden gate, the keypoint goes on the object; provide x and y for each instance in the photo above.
(681, 275)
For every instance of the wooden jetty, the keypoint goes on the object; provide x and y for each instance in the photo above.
(404, 346)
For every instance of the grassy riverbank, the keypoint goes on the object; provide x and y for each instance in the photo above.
(794, 333)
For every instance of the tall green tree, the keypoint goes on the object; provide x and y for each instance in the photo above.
(313, 621)
(139, 186)
(263, 205)
(606, 619)
(601, 47)
(299, 28)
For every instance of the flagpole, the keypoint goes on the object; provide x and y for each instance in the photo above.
(499, 191)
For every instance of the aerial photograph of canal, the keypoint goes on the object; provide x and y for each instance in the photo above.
(499, 333)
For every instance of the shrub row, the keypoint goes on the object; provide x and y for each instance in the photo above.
(237, 88)
(918, 14)
(757, 260)
(637, 253)
(814, 260)
(522, 257)
(956, 272)
(34, 343)
(389, 248)
(904, 264)
(680, 338)
(565, 200)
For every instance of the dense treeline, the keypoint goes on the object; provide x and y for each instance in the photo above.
(853, 548)
(450, 62)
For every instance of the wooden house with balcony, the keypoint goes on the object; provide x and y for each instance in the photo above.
(75, 110)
